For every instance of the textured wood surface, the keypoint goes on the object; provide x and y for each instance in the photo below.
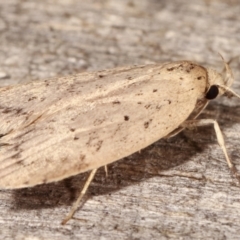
(175, 189)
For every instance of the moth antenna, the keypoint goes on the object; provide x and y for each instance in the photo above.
(227, 72)
(233, 59)
(228, 91)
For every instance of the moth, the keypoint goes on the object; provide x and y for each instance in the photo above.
(60, 127)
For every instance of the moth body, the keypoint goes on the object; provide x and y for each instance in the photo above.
(57, 128)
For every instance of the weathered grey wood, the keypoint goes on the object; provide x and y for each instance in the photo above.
(179, 188)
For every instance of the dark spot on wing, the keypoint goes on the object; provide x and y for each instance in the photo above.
(146, 124)
(18, 110)
(31, 98)
(99, 145)
(126, 118)
(116, 102)
(16, 147)
(98, 121)
(170, 69)
(154, 90)
(7, 110)
(12, 110)
(76, 138)
(21, 162)
(82, 157)
(190, 67)
(46, 83)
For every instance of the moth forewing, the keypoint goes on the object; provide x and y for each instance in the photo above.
(57, 128)
(88, 124)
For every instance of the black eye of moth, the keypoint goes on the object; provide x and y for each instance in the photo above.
(212, 92)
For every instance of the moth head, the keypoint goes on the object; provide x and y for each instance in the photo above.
(220, 83)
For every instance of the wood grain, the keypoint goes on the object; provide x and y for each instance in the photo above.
(177, 188)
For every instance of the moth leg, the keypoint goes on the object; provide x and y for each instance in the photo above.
(76, 204)
(220, 139)
(106, 170)
(174, 132)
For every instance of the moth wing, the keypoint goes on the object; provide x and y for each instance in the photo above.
(91, 123)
